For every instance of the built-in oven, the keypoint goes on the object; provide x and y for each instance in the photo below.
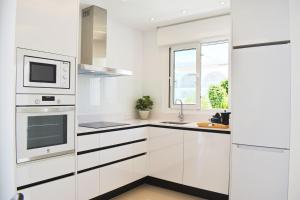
(46, 130)
(45, 73)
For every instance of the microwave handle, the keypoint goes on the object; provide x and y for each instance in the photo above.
(44, 109)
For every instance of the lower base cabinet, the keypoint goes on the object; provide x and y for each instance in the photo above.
(62, 189)
(165, 152)
(207, 161)
(105, 179)
(122, 173)
(88, 184)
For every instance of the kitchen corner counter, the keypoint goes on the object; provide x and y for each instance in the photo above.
(150, 123)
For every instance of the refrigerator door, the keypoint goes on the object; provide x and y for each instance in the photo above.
(261, 97)
(259, 173)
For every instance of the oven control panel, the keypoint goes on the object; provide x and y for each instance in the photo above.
(41, 100)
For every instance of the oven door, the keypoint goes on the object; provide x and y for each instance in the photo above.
(41, 73)
(43, 132)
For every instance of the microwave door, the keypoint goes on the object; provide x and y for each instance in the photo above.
(41, 73)
(44, 132)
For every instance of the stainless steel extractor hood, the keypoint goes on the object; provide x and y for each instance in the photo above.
(93, 44)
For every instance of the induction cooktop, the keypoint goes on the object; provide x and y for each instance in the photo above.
(98, 125)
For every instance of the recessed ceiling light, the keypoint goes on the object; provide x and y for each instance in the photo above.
(222, 2)
(152, 19)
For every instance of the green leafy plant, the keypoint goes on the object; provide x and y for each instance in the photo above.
(144, 103)
(218, 95)
(224, 84)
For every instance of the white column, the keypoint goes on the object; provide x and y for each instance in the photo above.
(7, 98)
(294, 180)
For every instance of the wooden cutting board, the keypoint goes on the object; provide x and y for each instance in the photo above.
(212, 125)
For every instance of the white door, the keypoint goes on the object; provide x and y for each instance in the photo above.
(165, 154)
(206, 161)
(257, 21)
(259, 173)
(261, 84)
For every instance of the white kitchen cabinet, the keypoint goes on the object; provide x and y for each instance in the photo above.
(140, 167)
(117, 153)
(88, 184)
(39, 170)
(48, 25)
(88, 160)
(122, 136)
(115, 176)
(61, 189)
(257, 21)
(261, 97)
(165, 154)
(259, 173)
(88, 142)
(206, 161)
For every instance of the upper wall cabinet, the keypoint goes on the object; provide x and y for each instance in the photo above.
(48, 25)
(257, 21)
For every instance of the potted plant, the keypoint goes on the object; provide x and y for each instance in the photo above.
(144, 106)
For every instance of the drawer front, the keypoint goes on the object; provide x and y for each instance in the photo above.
(113, 154)
(61, 189)
(88, 160)
(32, 172)
(140, 147)
(88, 184)
(118, 137)
(88, 142)
(115, 176)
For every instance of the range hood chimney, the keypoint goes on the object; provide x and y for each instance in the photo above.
(93, 44)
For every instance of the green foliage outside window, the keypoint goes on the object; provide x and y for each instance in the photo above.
(218, 95)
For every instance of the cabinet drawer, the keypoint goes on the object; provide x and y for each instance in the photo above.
(139, 147)
(88, 142)
(88, 184)
(115, 176)
(32, 172)
(113, 154)
(118, 137)
(88, 160)
(61, 189)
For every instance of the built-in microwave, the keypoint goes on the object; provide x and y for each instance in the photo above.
(45, 73)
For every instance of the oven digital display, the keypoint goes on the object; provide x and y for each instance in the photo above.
(42, 72)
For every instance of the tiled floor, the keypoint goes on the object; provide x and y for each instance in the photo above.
(148, 192)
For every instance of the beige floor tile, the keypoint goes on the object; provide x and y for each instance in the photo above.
(148, 192)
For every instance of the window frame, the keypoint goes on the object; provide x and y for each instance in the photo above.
(183, 47)
(197, 46)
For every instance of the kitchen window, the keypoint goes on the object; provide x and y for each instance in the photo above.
(199, 75)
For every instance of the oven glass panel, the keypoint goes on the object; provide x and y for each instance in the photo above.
(43, 73)
(45, 131)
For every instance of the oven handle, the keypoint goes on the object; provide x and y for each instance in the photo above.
(44, 109)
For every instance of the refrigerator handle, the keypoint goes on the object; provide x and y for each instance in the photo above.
(259, 148)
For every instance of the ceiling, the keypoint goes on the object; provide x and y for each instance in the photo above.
(149, 14)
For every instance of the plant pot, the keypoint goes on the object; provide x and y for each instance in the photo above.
(144, 114)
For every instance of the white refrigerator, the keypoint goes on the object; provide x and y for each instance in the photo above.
(261, 103)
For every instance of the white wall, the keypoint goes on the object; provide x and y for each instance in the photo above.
(7, 98)
(294, 181)
(193, 31)
(110, 97)
(156, 63)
